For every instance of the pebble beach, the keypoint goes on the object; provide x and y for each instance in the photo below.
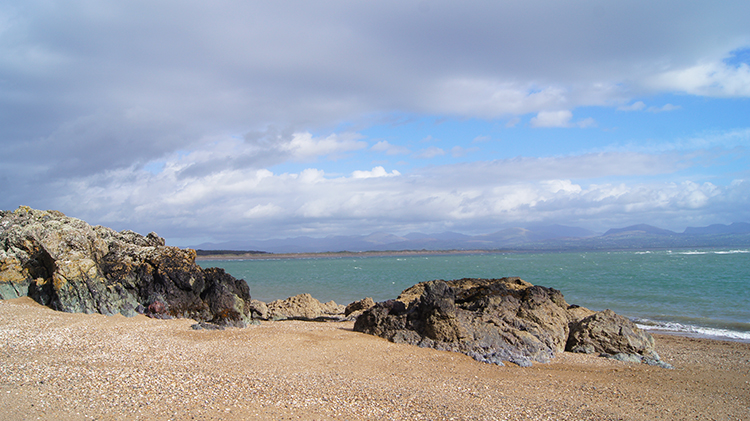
(63, 366)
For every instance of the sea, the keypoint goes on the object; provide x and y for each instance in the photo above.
(696, 292)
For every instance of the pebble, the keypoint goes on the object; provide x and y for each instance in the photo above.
(75, 366)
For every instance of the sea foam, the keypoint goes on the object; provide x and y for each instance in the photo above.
(690, 330)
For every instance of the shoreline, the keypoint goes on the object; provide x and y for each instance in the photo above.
(695, 331)
(261, 255)
(67, 366)
(331, 254)
(694, 335)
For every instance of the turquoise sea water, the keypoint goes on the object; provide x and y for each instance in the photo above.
(704, 292)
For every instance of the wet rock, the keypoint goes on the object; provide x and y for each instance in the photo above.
(70, 266)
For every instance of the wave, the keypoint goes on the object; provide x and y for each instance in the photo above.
(733, 252)
(691, 330)
(697, 252)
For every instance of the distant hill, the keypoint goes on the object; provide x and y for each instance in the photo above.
(717, 229)
(381, 241)
(552, 237)
(542, 237)
(639, 229)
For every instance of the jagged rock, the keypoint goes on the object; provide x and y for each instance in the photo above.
(492, 320)
(304, 307)
(228, 298)
(68, 265)
(355, 309)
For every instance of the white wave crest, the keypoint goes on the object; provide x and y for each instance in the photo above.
(709, 332)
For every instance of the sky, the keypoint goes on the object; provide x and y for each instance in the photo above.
(230, 120)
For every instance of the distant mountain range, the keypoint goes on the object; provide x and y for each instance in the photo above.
(547, 237)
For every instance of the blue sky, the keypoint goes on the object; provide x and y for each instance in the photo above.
(254, 120)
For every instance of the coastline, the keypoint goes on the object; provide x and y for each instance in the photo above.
(370, 262)
(331, 254)
(81, 366)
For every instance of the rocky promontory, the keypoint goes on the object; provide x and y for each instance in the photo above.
(71, 266)
(508, 319)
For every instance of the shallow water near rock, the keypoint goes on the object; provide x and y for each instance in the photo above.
(699, 291)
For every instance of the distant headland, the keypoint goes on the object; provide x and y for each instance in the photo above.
(547, 238)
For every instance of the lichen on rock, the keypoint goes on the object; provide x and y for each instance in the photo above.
(68, 265)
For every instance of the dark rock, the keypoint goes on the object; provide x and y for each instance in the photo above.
(157, 307)
(613, 336)
(70, 266)
(206, 326)
(228, 299)
(491, 320)
(355, 309)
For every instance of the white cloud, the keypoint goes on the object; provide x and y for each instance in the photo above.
(552, 119)
(490, 98)
(241, 203)
(430, 152)
(641, 106)
(714, 79)
(636, 106)
(303, 146)
(375, 173)
(561, 118)
(312, 175)
(481, 139)
(663, 108)
(390, 149)
(263, 211)
(95, 95)
(458, 151)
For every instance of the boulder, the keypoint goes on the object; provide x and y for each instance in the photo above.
(355, 309)
(68, 265)
(613, 336)
(258, 310)
(491, 320)
(304, 307)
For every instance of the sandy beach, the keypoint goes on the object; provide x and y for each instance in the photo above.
(65, 366)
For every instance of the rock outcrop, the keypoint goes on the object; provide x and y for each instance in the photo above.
(355, 309)
(496, 320)
(304, 307)
(68, 265)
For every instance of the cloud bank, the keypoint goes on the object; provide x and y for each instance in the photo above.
(267, 119)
